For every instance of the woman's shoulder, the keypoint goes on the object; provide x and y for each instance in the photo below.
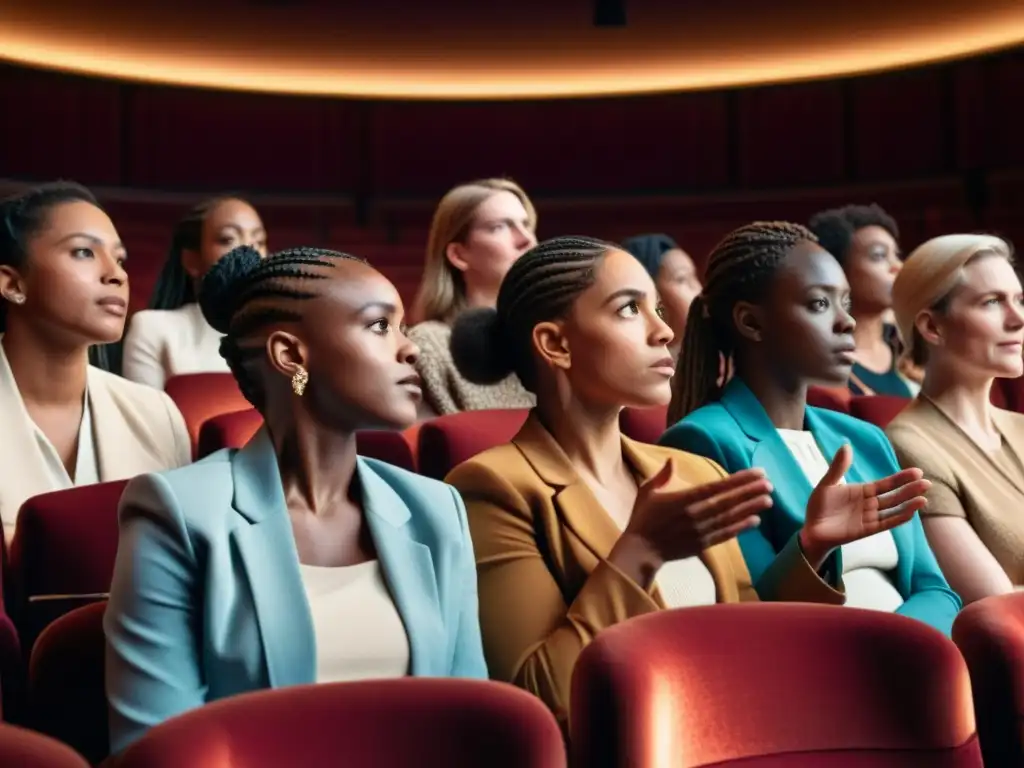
(691, 468)
(155, 320)
(130, 395)
(200, 494)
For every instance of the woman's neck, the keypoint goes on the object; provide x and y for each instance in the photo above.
(480, 296)
(869, 332)
(46, 374)
(784, 402)
(590, 437)
(966, 400)
(317, 465)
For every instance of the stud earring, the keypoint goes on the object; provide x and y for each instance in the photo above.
(17, 298)
(299, 381)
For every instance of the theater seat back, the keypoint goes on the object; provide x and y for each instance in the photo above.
(371, 724)
(645, 425)
(63, 553)
(22, 748)
(779, 685)
(447, 441)
(877, 409)
(234, 430)
(201, 396)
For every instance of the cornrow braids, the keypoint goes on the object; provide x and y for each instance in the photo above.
(243, 293)
(489, 344)
(740, 268)
(174, 286)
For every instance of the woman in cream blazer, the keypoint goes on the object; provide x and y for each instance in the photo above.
(172, 337)
(66, 423)
(958, 306)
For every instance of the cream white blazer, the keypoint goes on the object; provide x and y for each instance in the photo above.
(162, 343)
(135, 430)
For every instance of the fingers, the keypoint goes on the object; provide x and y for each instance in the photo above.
(700, 493)
(892, 482)
(903, 493)
(728, 516)
(731, 531)
(716, 505)
(840, 465)
(900, 514)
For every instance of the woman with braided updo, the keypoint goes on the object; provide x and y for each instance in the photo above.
(292, 560)
(172, 337)
(777, 306)
(576, 527)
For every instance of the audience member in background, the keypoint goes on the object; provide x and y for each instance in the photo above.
(958, 305)
(576, 527)
(778, 305)
(864, 239)
(674, 275)
(479, 230)
(292, 560)
(171, 337)
(63, 288)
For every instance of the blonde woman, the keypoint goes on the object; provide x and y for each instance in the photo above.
(478, 231)
(958, 304)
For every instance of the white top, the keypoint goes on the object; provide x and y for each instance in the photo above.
(867, 563)
(86, 470)
(358, 631)
(162, 343)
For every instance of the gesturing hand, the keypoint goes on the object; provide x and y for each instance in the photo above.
(682, 523)
(839, 513)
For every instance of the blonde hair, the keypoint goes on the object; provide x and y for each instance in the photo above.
(929, 276)
(442, 292)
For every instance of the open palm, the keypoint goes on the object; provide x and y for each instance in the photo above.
(840, 513)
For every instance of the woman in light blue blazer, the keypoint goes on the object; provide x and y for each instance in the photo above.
(292, 560)
(776, 305)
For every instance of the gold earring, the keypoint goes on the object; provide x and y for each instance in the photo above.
(299, 381)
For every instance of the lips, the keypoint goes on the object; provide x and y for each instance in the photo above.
(846, 353)
(666, 366)
(413, 384)
(114, 304)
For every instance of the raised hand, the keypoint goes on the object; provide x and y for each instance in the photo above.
(675, 524)
(840, 513)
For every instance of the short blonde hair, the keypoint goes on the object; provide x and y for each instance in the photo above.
(442, 292)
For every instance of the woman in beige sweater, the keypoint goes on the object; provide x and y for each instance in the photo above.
(479, 229)
(958, 306)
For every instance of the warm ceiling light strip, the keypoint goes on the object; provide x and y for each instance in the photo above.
(432, 82)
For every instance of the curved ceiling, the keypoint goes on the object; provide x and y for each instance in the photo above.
(458, 49)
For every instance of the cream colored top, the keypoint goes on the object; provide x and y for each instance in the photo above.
(986, 489)
(358, 631)
(685, 583)
(867, 563)
(162, 343)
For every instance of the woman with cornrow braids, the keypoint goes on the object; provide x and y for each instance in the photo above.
(777, 306)
(577, 528)
(172, 337)
(292, 560)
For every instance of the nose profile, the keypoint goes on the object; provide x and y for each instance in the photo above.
(114, 272)
(408, 352)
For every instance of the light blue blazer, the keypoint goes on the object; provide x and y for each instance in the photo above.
(207, 599)
(736, 433)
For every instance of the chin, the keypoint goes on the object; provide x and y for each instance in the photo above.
(649, 397)
(833, 377)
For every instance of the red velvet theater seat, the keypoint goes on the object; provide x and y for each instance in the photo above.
(21, 748)
(990, 635)
(201, 396)
(877, 409)
(833, 399)
(374, 724)
(447, 441)
(233, 430)
(772, 686)
(65, 689)
(645, 425)
(63, 552)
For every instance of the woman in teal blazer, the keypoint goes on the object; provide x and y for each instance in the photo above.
(777, 306)
(210, 596)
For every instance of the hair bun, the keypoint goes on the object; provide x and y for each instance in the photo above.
(478, 347)
(219, 289)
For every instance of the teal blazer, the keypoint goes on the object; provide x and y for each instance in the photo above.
(737, 433)
(207, 598)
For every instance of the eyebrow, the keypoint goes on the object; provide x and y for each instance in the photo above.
(91, 238)
(632, 293)
(386, 306)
